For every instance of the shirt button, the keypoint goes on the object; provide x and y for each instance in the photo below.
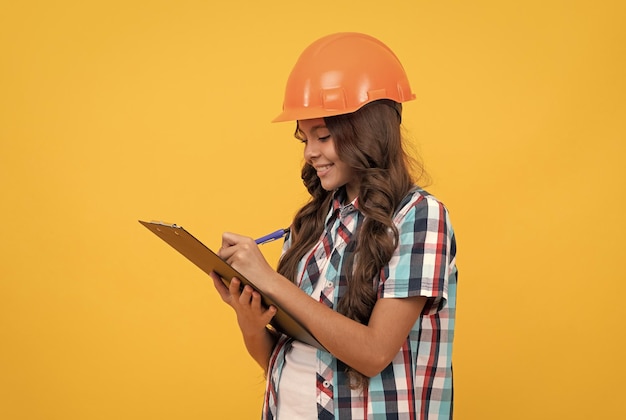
(329, 284)
(326, 384)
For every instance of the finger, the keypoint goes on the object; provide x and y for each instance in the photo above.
(235, 287)
(246, 295)
(230, 239)
(221, 288)
(226, 251)
(269, 314)
(257, 304)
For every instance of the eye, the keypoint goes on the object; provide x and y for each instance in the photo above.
(299, 136)
(324, 138)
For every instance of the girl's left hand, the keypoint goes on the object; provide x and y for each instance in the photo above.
(244, 255)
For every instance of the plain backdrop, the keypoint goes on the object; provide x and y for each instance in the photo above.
(114, 111)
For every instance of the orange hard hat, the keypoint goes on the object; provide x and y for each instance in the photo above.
(339, 73)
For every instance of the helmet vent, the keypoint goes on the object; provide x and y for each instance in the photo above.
(334, 99)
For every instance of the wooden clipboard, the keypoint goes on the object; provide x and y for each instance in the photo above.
(208, 261)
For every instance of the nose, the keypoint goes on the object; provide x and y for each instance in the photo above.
(311, 151)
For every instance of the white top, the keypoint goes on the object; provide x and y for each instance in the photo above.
(296, 392)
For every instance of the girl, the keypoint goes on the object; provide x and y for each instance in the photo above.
(369, 264)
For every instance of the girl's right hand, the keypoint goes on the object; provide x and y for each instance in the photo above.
(252, 317)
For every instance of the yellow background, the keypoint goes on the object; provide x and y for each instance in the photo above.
(113, 111)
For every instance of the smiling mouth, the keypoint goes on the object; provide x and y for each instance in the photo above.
(322, 169)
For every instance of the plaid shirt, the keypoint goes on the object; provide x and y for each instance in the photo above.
(417, 384)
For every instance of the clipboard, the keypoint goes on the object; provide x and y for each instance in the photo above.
(207, 260)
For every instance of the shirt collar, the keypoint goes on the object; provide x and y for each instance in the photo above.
(338, 204)
(340, 196)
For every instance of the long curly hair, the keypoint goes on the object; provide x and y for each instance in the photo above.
(370, 142)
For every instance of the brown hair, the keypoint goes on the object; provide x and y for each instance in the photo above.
(370, 142)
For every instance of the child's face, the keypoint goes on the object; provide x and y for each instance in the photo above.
(320, 153)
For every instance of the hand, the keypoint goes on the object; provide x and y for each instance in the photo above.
(244, 255)
(251, 315)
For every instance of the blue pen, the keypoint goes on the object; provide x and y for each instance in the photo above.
(272, 236)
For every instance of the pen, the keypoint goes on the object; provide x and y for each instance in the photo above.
(272, 236)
